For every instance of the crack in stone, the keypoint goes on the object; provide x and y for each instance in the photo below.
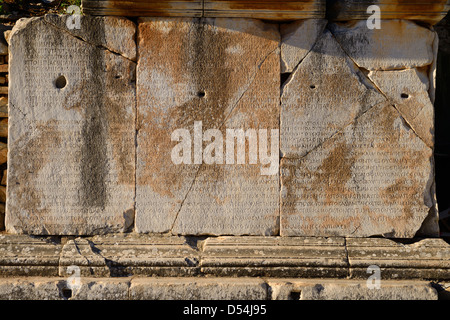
(182, 202)
(361, 73)
(107, 262)
(334, 134)
(381, 92)
(347, 260)
(98, 46)
(249, 86)
(288, 80)
(13, 106)
(79, 252)
(260, 64)
(410, 126)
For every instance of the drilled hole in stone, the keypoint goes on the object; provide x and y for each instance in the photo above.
(60, 82)
(67, 293)
(404, 96)
(201, 94)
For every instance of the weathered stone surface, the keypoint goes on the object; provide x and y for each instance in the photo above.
(72, 133)
(425, 259)
(411, 91)
(115, 34)
(198, 289)
(30, 289)
(408, 91)
(224, 73)
(297, 40)
(311, 111)
(101, 289)
(373, 178)
(130, 255)
(37, 288)
(127, 255)
(274, 257)
(82, 253)
(269, 10)
(354, 165)
(22, 255)
(296, 289)
(167, 8)
(391, 47)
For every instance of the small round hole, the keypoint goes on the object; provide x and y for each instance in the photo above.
(201, 94)
(67, 293)
(404, 96)
(60, 82)
(312, 86)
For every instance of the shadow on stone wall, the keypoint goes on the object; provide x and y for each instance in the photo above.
(442, 116)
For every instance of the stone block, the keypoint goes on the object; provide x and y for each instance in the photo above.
(30, 288)
(424, 259)
(72, 128)
(389, 48)
(304, 257)
(122, 255)
(198, 289)
(357, 145)
(205, 77)
(336, 289)
(22, 256)
(297, 40)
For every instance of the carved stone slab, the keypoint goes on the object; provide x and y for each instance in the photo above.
(71, 128)
(357, 145)
(201, 75)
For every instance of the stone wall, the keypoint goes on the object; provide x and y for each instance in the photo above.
(348, 110)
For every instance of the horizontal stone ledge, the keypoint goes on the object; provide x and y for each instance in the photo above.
(425, 259)
(122, 255)
(142, 288)
(431, 11)
(271, 10)
(326, 257)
